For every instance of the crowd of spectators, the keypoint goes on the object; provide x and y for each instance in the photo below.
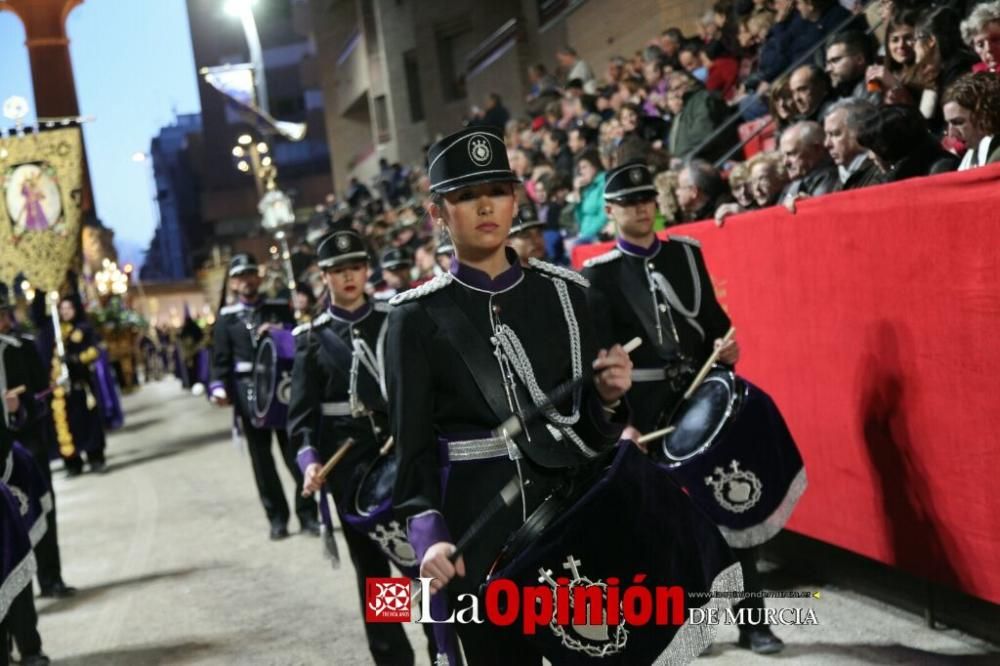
(838, 96)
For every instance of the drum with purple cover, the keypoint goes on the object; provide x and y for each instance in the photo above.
(732, 451)
(370, 512)
(271, 387)
(622, 526)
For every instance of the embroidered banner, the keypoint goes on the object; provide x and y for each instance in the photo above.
(871, 318)
(41, 181)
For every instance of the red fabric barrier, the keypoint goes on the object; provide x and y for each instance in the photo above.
(872, 318)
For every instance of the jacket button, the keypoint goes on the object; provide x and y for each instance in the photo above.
(663, 308)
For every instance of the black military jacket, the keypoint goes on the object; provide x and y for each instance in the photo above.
(440, 366)
(664, 295)
(233, 344)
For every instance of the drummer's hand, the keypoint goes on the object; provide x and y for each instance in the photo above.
(730, 354)
(311, 483)
(264, 328)
(436, 565)
(612, 374)
(13, 402)
(219, 397)
(634, 435)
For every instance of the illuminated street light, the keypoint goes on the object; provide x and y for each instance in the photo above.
(238, 151)
(244, 140)
(243, 10)
(266, 162)
(262, 148)
(139, 156)
(243, 166)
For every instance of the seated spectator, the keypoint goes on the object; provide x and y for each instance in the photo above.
(972, 114)
(543, 89)
(691, 61)
(576, 69)
(525, 235)
(981, 31)
(810, 91)
(782, 105)
(697, 114)
(723, 70)
(588, 197)
(552, 191)
(848, 56)
(493, 113)
(700, 190)
(739, 185)
(670, 43)
(768, 179)
(809, 167)
(666, 197)
(556, 149)
(901, 144)
(887, 78)
(656, 87)
(942, 57)
(614, 72)
(579, 139)
(841, 125)
(776, 55)
(819, 19)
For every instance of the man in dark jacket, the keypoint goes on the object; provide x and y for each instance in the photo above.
(899, 139)
(697, 114)
(841, 124)
(809, 166)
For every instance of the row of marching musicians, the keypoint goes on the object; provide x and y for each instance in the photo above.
(492, 424)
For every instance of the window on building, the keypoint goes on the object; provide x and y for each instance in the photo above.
(382, 119)
(454, 41)
(411, 70)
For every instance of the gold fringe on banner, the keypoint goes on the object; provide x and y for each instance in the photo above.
(41, 187)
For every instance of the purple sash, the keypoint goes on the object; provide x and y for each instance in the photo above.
(107, 392)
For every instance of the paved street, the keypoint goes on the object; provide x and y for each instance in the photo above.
(170, 552)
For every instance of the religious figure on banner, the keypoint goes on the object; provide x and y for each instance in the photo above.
(32, 196)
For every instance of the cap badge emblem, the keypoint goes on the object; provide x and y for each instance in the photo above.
(479, 151)
(343, 242)
(635, 175)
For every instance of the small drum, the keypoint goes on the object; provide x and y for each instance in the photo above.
(370, 512)
(271, 385)
(631, 520)
(733, 453)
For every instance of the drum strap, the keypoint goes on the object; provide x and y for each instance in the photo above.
(343, 357)
(478, 357)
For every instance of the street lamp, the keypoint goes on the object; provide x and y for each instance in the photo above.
(254, 157)
(243, 10)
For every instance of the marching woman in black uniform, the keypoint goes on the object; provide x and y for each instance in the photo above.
(233, 347)
(337, 400)
(468, 349)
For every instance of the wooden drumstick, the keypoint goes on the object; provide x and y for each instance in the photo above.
(389, 443)
(705, 369)
(334, 459)
(16, 391)
(648, 437)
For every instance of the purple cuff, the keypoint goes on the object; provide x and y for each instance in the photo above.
(306, 456)
(610, 425)
(426, 529)
(216, 385)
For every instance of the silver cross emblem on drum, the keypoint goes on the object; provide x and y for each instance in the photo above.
(392, 540)
(479, 150)
(22, 499)
(597, 640)
(736, 491)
